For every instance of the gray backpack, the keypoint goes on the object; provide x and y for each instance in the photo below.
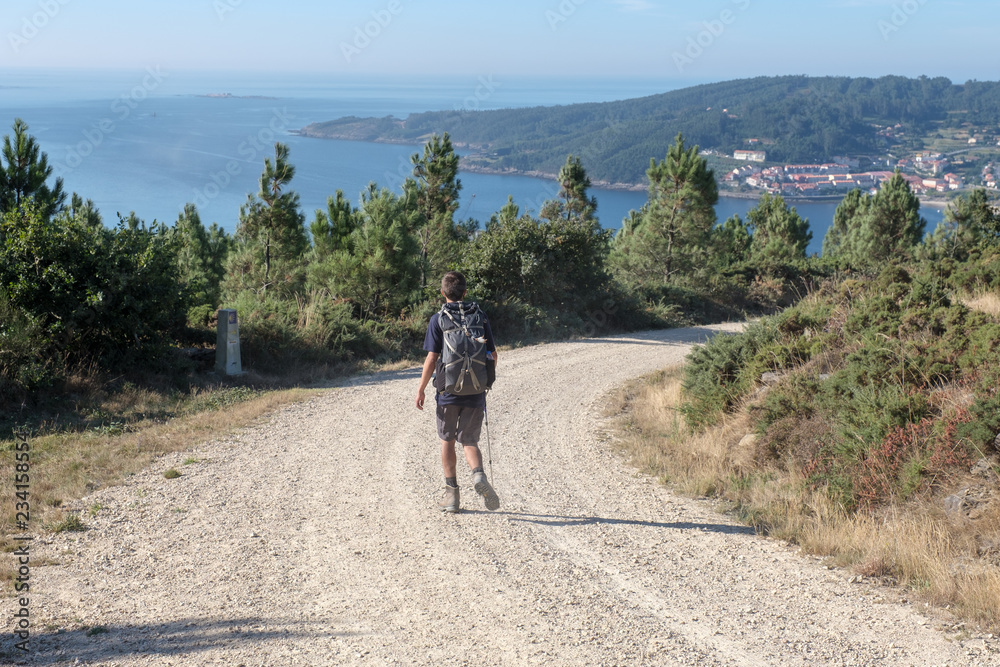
(463, 368)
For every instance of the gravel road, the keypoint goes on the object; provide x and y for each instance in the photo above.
(312, 539)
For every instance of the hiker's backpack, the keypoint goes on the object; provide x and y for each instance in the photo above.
(463, 368)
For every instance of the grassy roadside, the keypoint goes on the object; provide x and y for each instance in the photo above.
(945, 559)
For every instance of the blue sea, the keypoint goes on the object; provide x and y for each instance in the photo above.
(151, 140)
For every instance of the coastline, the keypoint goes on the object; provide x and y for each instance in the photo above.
(548, 176)
(597, 185)
(826, 199)
(632, 187)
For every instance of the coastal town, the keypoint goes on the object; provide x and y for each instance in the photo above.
(927, 174)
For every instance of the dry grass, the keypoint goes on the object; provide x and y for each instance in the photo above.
(941, 559)
(985, 302)
(659, 443)
(67, 466)
(945, 560)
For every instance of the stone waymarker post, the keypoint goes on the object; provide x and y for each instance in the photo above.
(227, 344)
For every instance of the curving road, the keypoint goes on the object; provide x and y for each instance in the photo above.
(311, 539)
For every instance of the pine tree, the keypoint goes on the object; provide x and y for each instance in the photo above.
(896, 225)
(733, 241)
(971, 222)
(192, 255)
(837, 238)
(201, 259)
(331, 228)
(573, 202)
(24, 170)
(507, 213)
(672, 240)
(271, 234)
(377, 268)
(871, 230)
(83, 212)
(777, 233)
(433, 192)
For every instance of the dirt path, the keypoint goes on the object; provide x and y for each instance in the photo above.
(311, 540)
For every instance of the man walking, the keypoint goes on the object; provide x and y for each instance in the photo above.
(461, 356)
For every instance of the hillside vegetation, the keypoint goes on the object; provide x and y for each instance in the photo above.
(796, 118)
(862, 423)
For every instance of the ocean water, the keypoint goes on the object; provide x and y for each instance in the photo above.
(151, 141)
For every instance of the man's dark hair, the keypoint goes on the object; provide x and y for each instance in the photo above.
(453, 285)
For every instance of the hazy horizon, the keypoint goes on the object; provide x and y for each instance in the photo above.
(710, 41)
(28, 86)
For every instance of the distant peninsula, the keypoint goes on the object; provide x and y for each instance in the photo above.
(926, 127)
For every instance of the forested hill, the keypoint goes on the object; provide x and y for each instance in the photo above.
(795, 118)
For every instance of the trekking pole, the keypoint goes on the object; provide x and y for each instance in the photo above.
(489, 447)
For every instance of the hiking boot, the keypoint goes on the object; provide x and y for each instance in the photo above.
(449, 501)
(484, 489)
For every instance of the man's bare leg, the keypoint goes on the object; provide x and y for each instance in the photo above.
(473, 456)
(448, 459)
(450, 501)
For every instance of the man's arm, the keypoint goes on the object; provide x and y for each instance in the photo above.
(429, 363)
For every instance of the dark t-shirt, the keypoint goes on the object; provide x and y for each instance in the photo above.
(434, 342)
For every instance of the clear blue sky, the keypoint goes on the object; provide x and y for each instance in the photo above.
(671, 39)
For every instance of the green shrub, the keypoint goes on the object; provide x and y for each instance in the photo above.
(25, 364)
(519, 265)
(719, 373)
(314, 330)
(99, 295)
(792, 399)
(71, 524)
(871, 430)
(200, 316)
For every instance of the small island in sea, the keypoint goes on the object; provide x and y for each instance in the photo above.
(230, 96)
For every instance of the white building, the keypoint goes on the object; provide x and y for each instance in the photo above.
(752, 156)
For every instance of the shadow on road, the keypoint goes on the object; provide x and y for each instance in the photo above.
(557, 520)
(184, 637)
